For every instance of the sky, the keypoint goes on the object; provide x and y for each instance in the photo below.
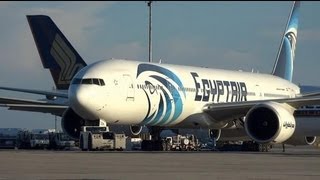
(231, 35)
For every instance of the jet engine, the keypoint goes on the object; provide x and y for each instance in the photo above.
(71, 123)
(301, 140)
(270, 122)
(135, 130)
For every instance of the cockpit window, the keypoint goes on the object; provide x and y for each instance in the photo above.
(86, 81)
(96, 81)
(101, 82)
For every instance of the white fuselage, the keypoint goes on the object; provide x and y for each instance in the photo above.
(164, 95)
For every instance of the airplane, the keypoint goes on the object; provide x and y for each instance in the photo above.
(160, 96)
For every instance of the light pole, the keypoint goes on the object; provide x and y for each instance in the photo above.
(150, 41)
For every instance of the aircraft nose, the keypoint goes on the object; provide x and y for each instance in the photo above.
(82, 102)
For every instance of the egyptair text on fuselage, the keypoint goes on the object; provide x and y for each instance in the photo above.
(219, 90)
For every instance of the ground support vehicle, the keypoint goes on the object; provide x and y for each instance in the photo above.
(32, 139)
(181, 143)
(101, 139)
(8, 137)
(60, 141)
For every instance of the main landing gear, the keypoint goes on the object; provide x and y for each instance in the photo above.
(253, 146)
(154, 143)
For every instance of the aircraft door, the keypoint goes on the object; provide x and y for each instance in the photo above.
(128, 85)
(260, 94)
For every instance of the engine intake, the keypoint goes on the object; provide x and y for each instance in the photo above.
(71, 123)
(270, 122)
(135, 130)
(301, 140)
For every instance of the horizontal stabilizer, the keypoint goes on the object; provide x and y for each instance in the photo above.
(7, 100)
(57, 110)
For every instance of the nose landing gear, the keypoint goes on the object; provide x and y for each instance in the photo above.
(155, 143)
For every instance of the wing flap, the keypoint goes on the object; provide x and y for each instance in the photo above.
(235, 110)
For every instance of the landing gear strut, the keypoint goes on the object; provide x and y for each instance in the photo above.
(283, 148)
(155, 143)
(253, 146)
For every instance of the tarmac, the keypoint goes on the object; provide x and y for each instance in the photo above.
(295, 163)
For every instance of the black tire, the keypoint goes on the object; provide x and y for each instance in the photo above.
(89, 142)
(260, 148)
(164, 146)
(146, 145)
(81, 142)
(169, 147)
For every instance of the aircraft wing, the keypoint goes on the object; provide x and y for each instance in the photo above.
(234, 110)
(45, 108)
(310, 94)
(33, 105)
(49, 93)
(7, 100)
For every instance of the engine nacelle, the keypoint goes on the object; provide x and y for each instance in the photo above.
(214, 133)
(135, 130)
(71, 123)
(270, 122)
(301, 140)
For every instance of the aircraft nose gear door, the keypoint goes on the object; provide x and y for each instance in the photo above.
(128, 85)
